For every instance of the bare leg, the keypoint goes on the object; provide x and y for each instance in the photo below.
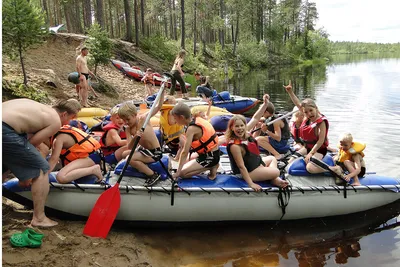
(351, 167)
(40, 190)
(312, 168)
(84, 93)
(192, 168)
(264, 143)
(120, 152)
(140, 162)
(78, 169)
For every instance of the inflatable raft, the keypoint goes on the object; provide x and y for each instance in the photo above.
(227, 198)
(119, 64)
(132, 73)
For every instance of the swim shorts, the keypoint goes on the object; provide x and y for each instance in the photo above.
(209, 159)
(20, 156)
(155, 154)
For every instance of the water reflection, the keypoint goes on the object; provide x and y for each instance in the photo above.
(316, 242)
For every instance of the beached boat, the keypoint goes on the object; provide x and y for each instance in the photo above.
(119, 64)
(227, 198)
(133, 73)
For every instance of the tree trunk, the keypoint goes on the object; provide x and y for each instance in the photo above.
(128, 19)
(165, 18)
(195, 27)
(46, 12)
(57, 8)
(67, 12)
(100, 13)
(77, 17)
(183, 24)
(118, 20)
(135, 10)
(22, 64)
(142, 16)
(174, 17)
(87, 14)
(237, 33)
(171, 18)
(111, 19)
(222, 31)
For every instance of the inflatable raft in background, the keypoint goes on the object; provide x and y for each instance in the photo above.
(93, 116)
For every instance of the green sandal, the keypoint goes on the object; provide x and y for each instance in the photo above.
(28, 238)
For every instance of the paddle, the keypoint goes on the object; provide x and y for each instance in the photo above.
(277, 119)
(106, 208)
(325, 166)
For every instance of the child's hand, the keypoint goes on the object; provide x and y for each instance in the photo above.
(308, 157)
(140, 133)
(288, 87)
(264, 127)
(256, 187)
(266, 98)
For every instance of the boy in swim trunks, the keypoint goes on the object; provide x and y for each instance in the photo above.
(149, 150)
(21, 155)
(200, 138)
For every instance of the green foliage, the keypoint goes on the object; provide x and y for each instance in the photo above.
(23, 26)
(17, 89)
(100, 46)
(159, 47)
(252, 54)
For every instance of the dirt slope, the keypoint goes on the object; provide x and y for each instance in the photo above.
(55, 59)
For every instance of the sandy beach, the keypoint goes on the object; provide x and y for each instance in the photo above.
(64, 245)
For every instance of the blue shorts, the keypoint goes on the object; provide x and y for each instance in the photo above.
(281, 146)
(20, 156)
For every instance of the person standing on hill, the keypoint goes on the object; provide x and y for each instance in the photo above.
(177, 74)
(83, 73)
(26, 125)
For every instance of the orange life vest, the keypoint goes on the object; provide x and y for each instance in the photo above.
(84, 145)
(209, 139)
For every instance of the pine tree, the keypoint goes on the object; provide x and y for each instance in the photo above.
(100, 46)
(23, 26)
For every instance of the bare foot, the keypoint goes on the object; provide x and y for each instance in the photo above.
(45, 222)
(278, 157)
(213, 173)
(355, 184)
(280, 183)
(97, 173)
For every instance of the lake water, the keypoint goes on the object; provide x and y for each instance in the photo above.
(358, 95)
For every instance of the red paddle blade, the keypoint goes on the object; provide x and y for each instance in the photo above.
(103, 213)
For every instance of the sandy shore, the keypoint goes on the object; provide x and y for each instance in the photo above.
(64, 245)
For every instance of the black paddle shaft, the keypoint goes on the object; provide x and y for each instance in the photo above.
(160, 92)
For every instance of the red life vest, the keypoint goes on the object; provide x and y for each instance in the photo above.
(209, 139)
(108, 150)
(84, 145)
(251, 159)
(308, 132)
(295, 131)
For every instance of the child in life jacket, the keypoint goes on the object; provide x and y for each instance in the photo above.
(113, 141)
(173, 134)
(276, 136)
(350, 158)
(313, 131)
(244, 154)
(73, 148)
(148, 82)
(201, 138)
(149, 148)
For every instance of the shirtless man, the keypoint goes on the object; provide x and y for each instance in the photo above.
(83, 72)
(23, 117)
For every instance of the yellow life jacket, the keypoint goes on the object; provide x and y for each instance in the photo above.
(356, 148)
(170, 132)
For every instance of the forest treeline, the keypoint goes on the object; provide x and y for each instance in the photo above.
(363, 48)
(252, 33)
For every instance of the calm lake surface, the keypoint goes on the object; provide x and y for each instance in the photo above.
(358, 95)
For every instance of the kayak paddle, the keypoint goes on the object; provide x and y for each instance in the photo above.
(107, 206)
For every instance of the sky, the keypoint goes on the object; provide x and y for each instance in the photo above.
(360, 20)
